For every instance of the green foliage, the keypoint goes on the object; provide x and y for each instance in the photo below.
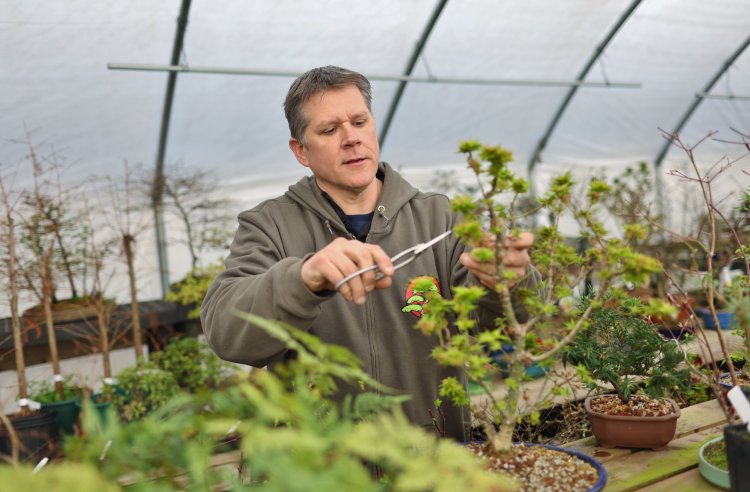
(54, 477)
(44, 391)
(622, 349)
(542, 328)
(191, 290)
(192, 363)
(291, 437)
(143, 389)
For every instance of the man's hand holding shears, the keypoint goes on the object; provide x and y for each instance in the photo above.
(355, 268)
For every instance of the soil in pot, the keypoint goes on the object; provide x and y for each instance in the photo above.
(545, 468)
(642, 422)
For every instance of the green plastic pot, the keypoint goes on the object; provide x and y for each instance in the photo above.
(67, 415)
(715, 475)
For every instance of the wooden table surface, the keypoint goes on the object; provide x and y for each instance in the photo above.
(672, 469)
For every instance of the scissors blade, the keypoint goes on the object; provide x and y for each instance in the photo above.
(421, 247)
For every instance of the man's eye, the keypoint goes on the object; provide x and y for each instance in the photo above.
(329, 131)
(360, 122)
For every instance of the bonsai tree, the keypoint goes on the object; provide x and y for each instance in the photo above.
(621, 348)
(125, 217)
(490, 223)
(191, 196)
(8, 241)
(720, 228)
(40, 234)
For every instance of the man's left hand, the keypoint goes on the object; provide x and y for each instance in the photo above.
(516, 259)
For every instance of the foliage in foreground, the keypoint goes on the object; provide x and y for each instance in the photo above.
(291, 436)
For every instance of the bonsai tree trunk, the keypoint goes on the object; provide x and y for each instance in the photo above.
(102, 318)
(127, 244)
(47, 292)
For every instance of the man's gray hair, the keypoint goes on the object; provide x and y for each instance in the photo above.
(315, 81)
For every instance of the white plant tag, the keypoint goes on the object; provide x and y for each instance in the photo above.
(740, 404)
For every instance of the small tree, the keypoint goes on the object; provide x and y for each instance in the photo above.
(720, 230)
(489, 226)
(39, 236)
(192, 199)
(129, 223)
(8, 240)
(98, 251)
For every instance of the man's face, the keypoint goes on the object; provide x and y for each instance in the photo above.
(341, 144)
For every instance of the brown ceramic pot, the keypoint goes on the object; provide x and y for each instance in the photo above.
(632, 432)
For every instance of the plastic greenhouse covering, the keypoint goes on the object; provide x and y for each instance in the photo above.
(576, 85)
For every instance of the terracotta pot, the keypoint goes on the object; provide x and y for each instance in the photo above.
(630, 431)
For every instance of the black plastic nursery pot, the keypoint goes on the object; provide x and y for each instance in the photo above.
(36, 436)
(737, 440)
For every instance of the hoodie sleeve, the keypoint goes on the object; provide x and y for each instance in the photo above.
(259, 279)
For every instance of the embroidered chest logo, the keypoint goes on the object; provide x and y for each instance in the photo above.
(417, 299)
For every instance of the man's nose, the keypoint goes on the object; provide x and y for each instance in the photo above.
(351, 135)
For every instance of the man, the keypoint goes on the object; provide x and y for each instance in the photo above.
(353, 212)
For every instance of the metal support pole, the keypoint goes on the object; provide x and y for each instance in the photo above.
(157, 189)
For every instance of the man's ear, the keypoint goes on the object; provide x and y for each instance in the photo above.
(299, 151)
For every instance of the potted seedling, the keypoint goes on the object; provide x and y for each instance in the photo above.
(30, 430)
(623, 350)
(490, 224)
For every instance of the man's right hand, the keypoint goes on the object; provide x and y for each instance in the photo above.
(342, 257)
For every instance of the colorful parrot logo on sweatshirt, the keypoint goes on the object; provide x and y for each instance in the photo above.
(416, 300)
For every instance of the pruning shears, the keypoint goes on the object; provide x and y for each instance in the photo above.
(399, 260)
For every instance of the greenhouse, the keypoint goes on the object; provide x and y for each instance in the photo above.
(410, 245)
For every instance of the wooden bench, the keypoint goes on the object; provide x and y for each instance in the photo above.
(673, 468)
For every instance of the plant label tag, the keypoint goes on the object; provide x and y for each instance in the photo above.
(740, 404)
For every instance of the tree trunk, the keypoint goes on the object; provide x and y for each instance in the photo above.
(102, 320)
(51, 335)
(135, 316)
(23, 393)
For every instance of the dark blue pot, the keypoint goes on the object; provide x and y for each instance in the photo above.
(498, 357)
(726, 319)
(599, 485)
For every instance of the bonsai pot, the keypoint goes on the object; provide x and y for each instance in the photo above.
(35, 434)
(737, 440)
(627, 431)
(726, 319)
(711, 472)
(496, 465)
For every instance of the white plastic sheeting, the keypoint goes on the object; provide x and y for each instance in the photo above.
(55, 81)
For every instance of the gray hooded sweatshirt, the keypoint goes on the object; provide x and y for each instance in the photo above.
(263, 277)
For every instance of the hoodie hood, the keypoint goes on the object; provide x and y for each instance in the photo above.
(396, 193)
